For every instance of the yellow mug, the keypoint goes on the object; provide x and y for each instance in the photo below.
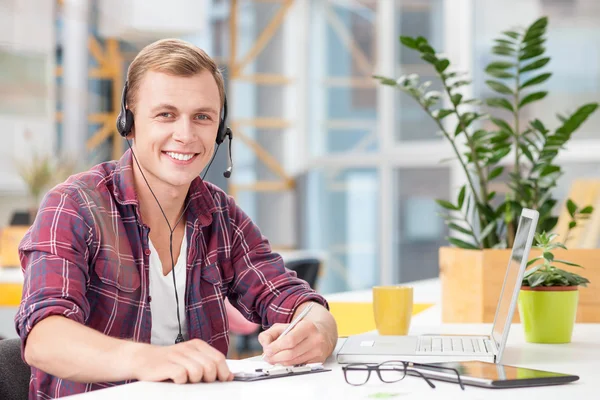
(392, 309)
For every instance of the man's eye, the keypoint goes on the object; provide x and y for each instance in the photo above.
(202, 117)
(165, 115)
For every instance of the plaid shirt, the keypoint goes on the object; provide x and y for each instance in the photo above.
(86, 257)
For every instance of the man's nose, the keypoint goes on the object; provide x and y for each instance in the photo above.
(184, 131)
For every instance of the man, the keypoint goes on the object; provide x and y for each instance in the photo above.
(109, 283)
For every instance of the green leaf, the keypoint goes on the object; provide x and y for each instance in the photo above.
(526, 151)
(500, 74)
(456, 98)
(548, 256)
(532, 270)
(536, 80)
(500, 123)
(532, 261)
(458, 84)
(535, 65)
(587, 210)
(441, 65)
(532, 53)
(572, 224)
(499, 87)
(549, 169)
(571, 207)
(430, 58)
(487, 230)
(567, 263)
(531, 98)
(461, 196)
(409, 42)
(505, 41)
(537, 124)
(503, 50)
(447, 205)
(462, 244)
(385, 81)
(540, 23)
(500, 103)
(537, 278)
(499, 65)
(495, 173)
(511, 34)
(459, 228)
(425, 48)
(441, 114)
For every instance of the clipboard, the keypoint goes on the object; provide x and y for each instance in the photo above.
(278, 371)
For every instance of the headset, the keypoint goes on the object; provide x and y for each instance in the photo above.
(124, 126)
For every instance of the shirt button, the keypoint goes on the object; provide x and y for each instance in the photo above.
(147, 252)
(149, 299)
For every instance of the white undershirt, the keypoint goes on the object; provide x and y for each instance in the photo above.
(164, 314)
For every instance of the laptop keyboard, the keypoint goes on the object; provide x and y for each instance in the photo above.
(445, 344)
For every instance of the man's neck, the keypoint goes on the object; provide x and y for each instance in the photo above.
(171, 200)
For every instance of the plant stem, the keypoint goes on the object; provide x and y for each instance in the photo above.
(480, 175)
(516, 112)
(491, 239)
(462, 163)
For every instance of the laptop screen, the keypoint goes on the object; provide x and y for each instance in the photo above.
(514, 274)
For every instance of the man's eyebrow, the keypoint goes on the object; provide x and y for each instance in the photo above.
(170, 107)
(207, 109)
(164, 106)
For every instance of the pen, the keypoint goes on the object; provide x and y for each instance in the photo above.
(294, 322)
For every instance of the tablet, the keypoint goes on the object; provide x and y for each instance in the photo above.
(495, 376)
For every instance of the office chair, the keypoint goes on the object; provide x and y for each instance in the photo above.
(306, 269)
(14, 372)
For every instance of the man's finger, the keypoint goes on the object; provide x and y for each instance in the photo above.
(303, 330)
(192, 365)
(267, 337)
(286, 356)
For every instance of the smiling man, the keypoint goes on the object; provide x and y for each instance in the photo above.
(115, 293)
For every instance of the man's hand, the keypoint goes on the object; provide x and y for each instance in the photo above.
(188, 362)
(312, 340)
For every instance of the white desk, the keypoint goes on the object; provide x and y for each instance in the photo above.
(581, 357)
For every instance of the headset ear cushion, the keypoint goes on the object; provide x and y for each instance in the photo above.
(125, 123)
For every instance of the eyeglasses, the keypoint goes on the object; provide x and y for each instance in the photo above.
(390, 372)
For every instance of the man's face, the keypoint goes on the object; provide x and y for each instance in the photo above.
(176, 123)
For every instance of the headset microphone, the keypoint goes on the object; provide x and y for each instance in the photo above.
(227, 172)
(124, 126)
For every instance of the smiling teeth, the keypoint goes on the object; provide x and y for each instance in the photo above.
(179, 156)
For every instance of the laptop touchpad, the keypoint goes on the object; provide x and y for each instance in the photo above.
(396, 345)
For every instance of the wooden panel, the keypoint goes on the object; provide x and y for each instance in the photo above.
(10, 237)
(586, 235)
(471, 281)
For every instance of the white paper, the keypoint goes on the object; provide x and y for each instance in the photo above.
(246, 366)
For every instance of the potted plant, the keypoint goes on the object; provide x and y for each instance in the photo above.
(488, 147)
(549, 295)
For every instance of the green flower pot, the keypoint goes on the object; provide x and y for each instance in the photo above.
(548, 313)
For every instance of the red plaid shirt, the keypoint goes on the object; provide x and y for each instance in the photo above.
(86, 257)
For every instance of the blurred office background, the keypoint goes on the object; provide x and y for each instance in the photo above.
(325, 159)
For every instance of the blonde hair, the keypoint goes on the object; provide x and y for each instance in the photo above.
(171, 56)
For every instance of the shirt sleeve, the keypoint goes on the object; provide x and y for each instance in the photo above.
(262, 284)
(53, 256)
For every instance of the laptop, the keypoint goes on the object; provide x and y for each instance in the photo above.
(372, 348)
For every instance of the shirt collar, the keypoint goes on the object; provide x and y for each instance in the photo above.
(201, 203)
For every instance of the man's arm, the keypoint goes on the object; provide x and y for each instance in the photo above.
(54, 308)
(75, 352)
(274, 294)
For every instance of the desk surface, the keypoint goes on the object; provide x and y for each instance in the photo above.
(581, 357)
